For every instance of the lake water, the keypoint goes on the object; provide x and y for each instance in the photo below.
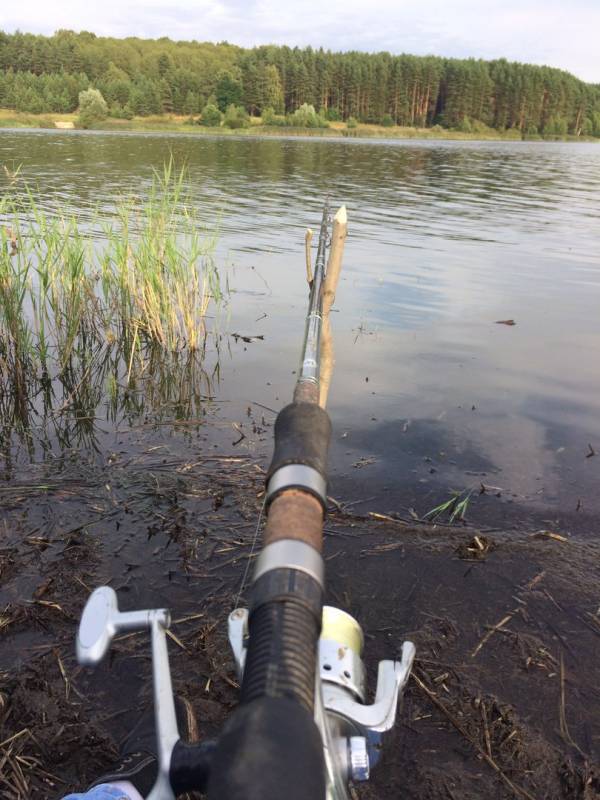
(445, 239)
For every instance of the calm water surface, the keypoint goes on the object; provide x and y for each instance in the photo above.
(445, 239)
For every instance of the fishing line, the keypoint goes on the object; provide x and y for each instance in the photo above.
(252, 549)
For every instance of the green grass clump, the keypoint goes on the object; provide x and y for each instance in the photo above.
(455, 507)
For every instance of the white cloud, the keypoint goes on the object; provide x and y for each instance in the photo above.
(538, 31)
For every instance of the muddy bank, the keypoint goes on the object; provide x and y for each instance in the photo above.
(504, 701)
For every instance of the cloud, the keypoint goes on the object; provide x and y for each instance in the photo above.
(537, 31)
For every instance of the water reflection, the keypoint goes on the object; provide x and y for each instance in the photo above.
(99, 386)
(444, 240)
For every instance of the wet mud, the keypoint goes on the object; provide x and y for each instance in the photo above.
(504, 700)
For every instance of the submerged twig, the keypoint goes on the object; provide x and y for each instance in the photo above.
(498, 626)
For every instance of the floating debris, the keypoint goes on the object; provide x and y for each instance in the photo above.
(476, 549)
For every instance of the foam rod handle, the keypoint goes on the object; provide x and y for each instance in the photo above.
(302, 436)
(269, 749)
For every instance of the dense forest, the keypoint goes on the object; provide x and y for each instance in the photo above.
(143, 77)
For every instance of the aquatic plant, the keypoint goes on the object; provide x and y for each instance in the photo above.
(86, 306)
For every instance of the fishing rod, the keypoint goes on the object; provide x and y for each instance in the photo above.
(303, 728)
(310, 363)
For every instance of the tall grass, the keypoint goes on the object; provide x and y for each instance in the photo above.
(71, 298)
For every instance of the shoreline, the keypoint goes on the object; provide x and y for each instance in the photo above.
(480, 607)
(13, 120)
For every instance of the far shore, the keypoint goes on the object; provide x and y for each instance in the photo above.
(181, 124)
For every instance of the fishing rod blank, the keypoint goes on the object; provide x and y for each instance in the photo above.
(311, 348)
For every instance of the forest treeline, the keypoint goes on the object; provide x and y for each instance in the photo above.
(143, 77)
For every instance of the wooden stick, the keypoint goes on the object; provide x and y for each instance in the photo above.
(334, 266)
(307, 243)
(498, 626)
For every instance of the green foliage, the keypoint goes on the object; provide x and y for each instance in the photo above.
(46, 74)
(464, 126)
(211, 116)
(145, 97)
(587, 129)
(271, 89)
(191, 105)
(27, 92)
(455, 507)
(228, 91)
(269, 117)
(92, 107)
(141, 289)
(556, 126)
(116, 111)
(477, 126)
(531, 131)
(470, 125)
(306, 117)
(236, 117)
(387, 121)
(165, 64)
(351, 123)
(263, 86)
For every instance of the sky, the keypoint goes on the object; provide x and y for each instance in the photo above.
(554, 32)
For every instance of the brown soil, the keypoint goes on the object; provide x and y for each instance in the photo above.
(504, 701)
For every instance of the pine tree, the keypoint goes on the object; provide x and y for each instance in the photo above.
(190, 105)
(228, 91)
(158, 76)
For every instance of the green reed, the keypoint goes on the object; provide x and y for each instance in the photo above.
(150, 276)
(73, 290)
(158, 270)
